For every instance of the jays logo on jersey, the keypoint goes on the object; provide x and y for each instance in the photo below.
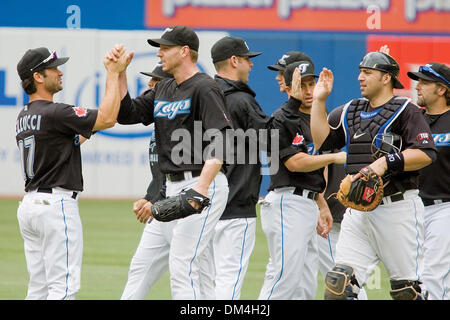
(441, 139)
(168, 109)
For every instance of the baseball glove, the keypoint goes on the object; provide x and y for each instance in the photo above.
(364, 194)
(178, 206)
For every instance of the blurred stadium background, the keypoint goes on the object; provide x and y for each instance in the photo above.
(335, 33)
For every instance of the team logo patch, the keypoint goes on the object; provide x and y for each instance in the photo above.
(311, 150)
(79, 111)
(303, 67)
(368, 194)
(441, 139)
(298, 140)
(423, 137)
(170, 109)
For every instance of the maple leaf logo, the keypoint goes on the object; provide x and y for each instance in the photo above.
(79, 111)
(298, 140)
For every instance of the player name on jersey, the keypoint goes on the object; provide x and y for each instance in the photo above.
(28, 122)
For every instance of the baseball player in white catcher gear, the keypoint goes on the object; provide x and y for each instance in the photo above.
(48, 137)
(433, 90)
(393, 231)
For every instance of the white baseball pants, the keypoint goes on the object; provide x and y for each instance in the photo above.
(51, 228)
(289, 222)
(179, 245)
(392, 233)
(436, 273)
(234, 240)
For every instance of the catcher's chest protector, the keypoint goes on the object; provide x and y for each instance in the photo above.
(362, 126)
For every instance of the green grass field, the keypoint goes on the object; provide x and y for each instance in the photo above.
(111, 234)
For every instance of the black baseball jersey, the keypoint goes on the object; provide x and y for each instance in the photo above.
(434, 180)
(409, 124)
(157, 187)
(171, 106)
(244, 177)
(47, 137)
(294, 137)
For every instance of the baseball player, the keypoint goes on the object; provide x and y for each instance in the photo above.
(286, 59)
(308, 282)
(235, 232)
(393, 231)
(137, 286)
(434, 181)
(156, 75)
(290, 212)
(47, 134)
(183, 109)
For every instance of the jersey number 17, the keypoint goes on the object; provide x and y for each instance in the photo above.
(26, 149)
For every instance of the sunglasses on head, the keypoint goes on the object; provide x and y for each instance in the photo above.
(51, 57)
(429, 70)
(282, 62)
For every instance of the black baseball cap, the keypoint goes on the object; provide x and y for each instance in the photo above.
(382, 62)
(231, 46)
(36, 60)
(288, 58)
(158, 72)
(433, 71)
(177, 36)
(306, 69)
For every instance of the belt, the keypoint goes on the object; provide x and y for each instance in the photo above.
(183, 175)
(49, 190)
(306, 193)
(393, 198)
(430, 202)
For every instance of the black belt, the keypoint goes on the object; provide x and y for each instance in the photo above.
(311, 194)
(179, 176)
(49, 190)
(395, 198)
(430, 202)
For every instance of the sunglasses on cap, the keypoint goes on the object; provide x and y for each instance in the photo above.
(429, 70)
(51, 57)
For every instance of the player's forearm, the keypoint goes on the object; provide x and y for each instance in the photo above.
(319, 123)
(123, 84)
(303, 162)
(415, 159)
(210, 169)
(110, 105)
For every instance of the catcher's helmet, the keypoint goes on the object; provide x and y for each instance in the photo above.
(382, 62)
(385, 143)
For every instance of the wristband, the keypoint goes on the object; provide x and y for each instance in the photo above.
(395, 162)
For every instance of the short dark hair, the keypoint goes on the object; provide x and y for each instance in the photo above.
(28, 84)
(447, 95)
(194, 55)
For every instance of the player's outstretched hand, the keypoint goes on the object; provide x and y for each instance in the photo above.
(385, 49)
(296, 85)
(117, 59)
(324, 85)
